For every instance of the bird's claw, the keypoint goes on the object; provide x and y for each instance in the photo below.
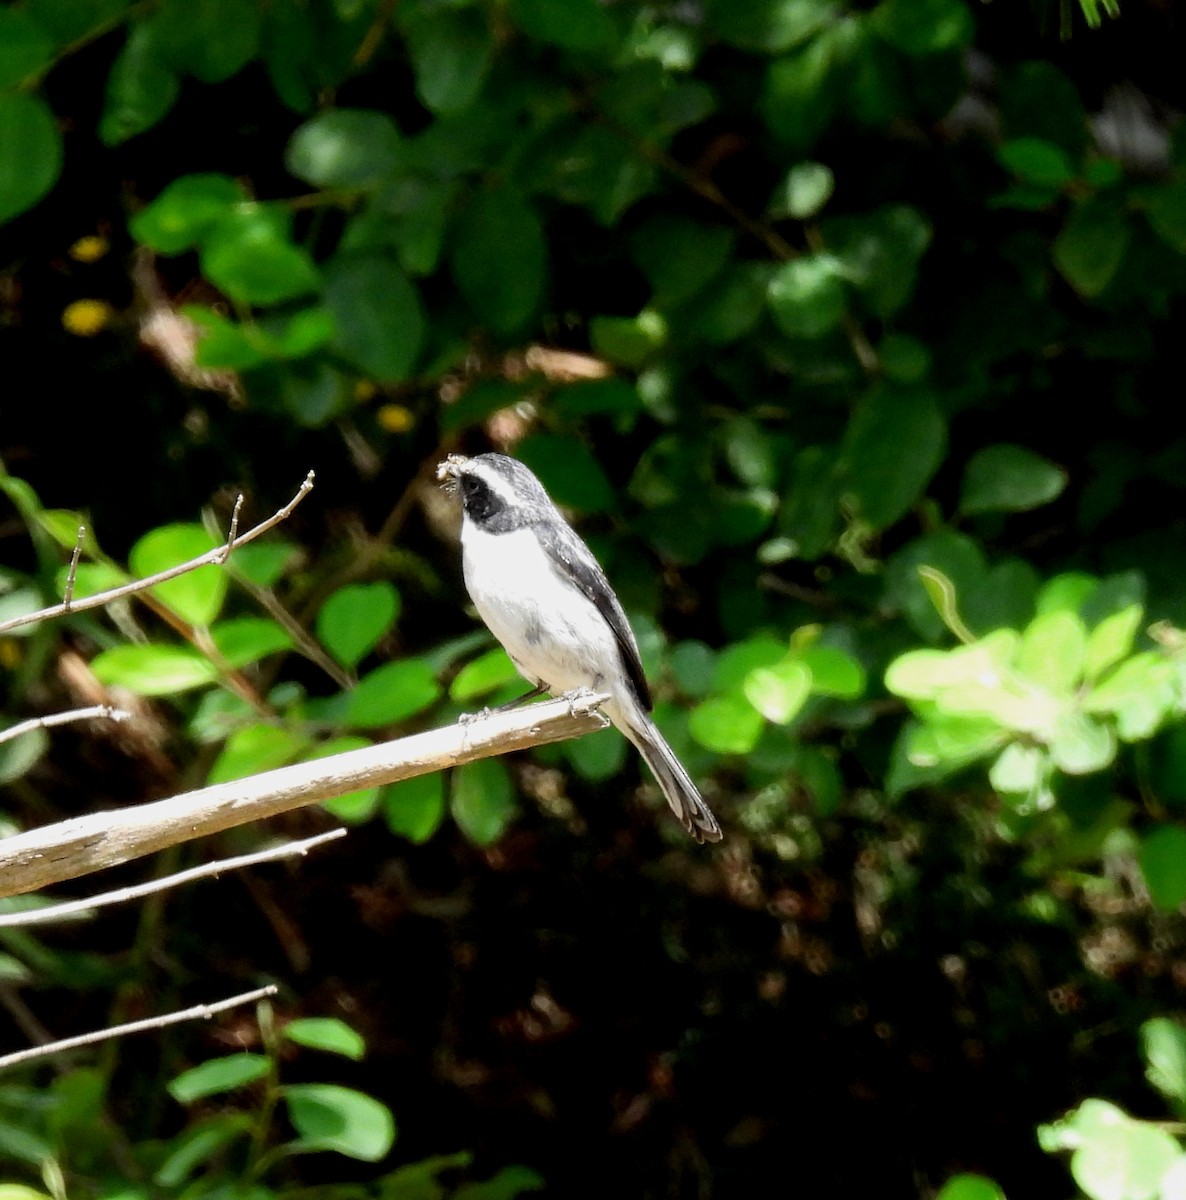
(584, 701)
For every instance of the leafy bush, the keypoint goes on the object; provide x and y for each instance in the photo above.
(840, 329)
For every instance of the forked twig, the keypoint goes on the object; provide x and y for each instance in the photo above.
(216, 556)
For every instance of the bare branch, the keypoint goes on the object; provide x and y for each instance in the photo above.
(41, 857)
(70, 908)
(201, 1012)
(94, 712)
(215, 556)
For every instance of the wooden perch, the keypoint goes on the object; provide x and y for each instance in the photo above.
(41, 857)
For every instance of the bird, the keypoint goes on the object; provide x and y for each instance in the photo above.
(544, 596)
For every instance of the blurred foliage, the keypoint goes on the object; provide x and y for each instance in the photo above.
(842, 331)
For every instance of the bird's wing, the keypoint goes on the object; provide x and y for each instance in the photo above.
(574, 560)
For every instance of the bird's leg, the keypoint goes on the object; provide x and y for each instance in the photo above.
(482, 714)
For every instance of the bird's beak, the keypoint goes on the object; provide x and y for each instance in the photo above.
(449, 471)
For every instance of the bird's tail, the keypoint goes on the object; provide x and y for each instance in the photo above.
(676, 784)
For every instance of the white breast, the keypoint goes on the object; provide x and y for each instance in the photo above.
(552, 632)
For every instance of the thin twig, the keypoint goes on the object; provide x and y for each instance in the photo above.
(75, 847)
(70, 908)
(234, 529)
(95, 711)
(199, 1012)
(72, 573)
(215, 556)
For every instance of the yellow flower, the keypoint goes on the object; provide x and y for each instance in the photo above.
(85, 318)
(89, 249)
(395, 418)
(364, 390)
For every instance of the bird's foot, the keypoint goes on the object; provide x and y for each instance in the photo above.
(474, 717)
(582, 701)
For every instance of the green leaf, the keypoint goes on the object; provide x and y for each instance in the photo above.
(904, 359)
(922, 27)
(414, 808)
(393, 692)
(894, 444)
(1163, 1047)
(20, 754)
(628, 341)
(249, 255)
(1091, 245)
(568, 471)
(768, 26)
(1140, 676)
(1163, 864)
(680, 256)
(1080, 745)
(1112, 640)
(779, 692)
(26, 47)
(582, 25)
(833, 672)
(228, 344)
(377, 314)
(1165, 209)
(737, 661)
(353, 620)
(596, 756)
(1019, 769)
(32, 157)
(500, 259)
(360, 805)
(1052, 651)
(804, 190)
(483, 800)
(197, 596)
(194, 1146)
(19, 1143)
(255, 748)
(483, 675)
(1008, 478)
(218, 1075)
(211, 39)
(726, 724)
(926, 674)
(328, 1034)
(141, 87)
(451, 54)
(1042, 163)
(329, 1117)
(807, 296)
(244, 640)
(880, 252)
(970, 1187)
(152, 670)
(263, 563)
(314, 391)
(182, 214)
(801, 90)
(508, 1183)
(1125, 1161)
(344, 148)
(731, 305)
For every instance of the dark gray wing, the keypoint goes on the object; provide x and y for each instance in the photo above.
(575, 561)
